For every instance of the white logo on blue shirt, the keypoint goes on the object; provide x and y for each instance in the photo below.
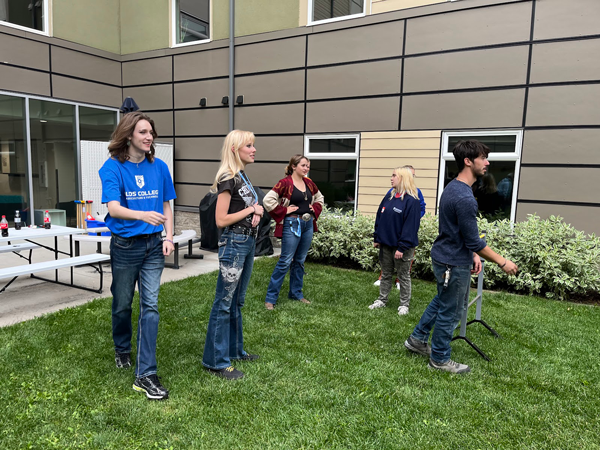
(397, 210)
(139, 180)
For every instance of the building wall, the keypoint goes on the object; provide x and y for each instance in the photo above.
(382, 6)
(144, 25)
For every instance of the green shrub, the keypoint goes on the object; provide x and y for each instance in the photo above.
(554, 259)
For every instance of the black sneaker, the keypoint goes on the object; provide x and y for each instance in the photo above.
(418, 347)
(152, 387)
(248, 357)
(229, 373)
(122, 360)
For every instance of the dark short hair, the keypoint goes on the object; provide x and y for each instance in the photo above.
(468, 149)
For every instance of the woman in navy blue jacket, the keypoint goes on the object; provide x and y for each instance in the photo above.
(396, 236)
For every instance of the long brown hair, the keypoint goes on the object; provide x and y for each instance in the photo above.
(294, 161)
(118, 141)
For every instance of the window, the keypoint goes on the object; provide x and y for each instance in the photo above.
(496, 191)
(29, 15)
(192, 21)
(334, 167)
(323, 11)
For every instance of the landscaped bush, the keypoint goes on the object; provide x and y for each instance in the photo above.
(554, 259)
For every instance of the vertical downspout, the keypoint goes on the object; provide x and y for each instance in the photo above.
(231, 60)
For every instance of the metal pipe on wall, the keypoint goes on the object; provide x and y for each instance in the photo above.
(231, 60)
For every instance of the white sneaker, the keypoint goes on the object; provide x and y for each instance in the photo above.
(377, 283)
(377, 304)
(398, 285)
(402, 310)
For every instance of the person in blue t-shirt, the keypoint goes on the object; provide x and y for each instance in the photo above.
(137, 188)
(396, 236)
(455, 257)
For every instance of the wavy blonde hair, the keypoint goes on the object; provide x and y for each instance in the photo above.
(231, 164)
(406, 184)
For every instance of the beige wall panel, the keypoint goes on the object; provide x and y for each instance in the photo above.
(559, 184)
(199, 148)
(22, 80)
(196, 172)
(278, 148)
(500, 108)
(151, 97)
(458, 70)
(399, 144)
(564, 105)
(424, 176)
(85, 66)
(163, 121)
(583, 218)
(86, 92)
(486, 26)
(403, 154)
(270, 119)
(370, 42)
(204, 64)
(379, 191)
(202, 122)
(147, 71)
(565, 61)
(381, 77)
(190, 195)
(353, 115)
(265, 175)
(274, 87)
(405, 134)
(23, 52)
(389, 163)
(559, 18)
(381, 182)
(381, 6)
(270, 55)
(561, 146)
(188, 95)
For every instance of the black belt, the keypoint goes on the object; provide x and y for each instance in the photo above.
(139, 236)
(239, 229)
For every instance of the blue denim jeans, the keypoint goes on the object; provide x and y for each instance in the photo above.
(136, 260)
(293, 254)
(224, 337)
(444, 311)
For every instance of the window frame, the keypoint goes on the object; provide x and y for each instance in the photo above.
(311, 22)
(446, 155)
(336, 156)
(174, 14)
(45, 22)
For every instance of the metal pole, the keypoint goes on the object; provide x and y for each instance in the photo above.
(231, 60)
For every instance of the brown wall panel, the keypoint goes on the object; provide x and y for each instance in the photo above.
(274, 119)
(196, 172)
(565, 184)
(470, 28)
(156, 70)
(566, 61)
(265, 175)
(371, 114)
(23, 52)
(151, 97)
(275, 87)
(202, 122)
(456, 70)
(86, 66)
(355, 44)
(564, 105)
(561, 146)
(188, 95)
(584, 218)
(381, 77)
(205, 64)
(190, 195)
(198, 148)
(500, 108)
(559, 18)
(86, 92)
(163, 121)
(278, 148)
(270, 55)
(23, 80)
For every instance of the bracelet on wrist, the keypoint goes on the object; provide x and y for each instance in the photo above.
(168, 240)
(505, 261)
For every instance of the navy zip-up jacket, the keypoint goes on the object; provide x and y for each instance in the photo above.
(397, 222)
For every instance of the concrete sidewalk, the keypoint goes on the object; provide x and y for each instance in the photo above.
(28, 297)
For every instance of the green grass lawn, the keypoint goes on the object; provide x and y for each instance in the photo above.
(332, 374)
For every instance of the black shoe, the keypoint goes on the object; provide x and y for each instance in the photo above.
(248, 357)
(122, 360)
(420, 348)
(152, 387)
(229, 373)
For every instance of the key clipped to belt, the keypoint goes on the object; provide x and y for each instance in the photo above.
(447, 276)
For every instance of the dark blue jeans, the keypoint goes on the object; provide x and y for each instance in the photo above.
(224, 337)
(136, 260)
(444, 311)
(293, 254)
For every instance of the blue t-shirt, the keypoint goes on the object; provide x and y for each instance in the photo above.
(137, 186)
(458, 234)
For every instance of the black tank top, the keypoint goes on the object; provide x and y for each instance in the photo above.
(299, 201)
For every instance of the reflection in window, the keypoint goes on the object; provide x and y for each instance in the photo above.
(192, 21)
(26, 13)
(330, 9)
(96, 124)
(333, 145)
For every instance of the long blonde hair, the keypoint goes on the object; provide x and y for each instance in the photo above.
(406, 184)
(231, 164)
